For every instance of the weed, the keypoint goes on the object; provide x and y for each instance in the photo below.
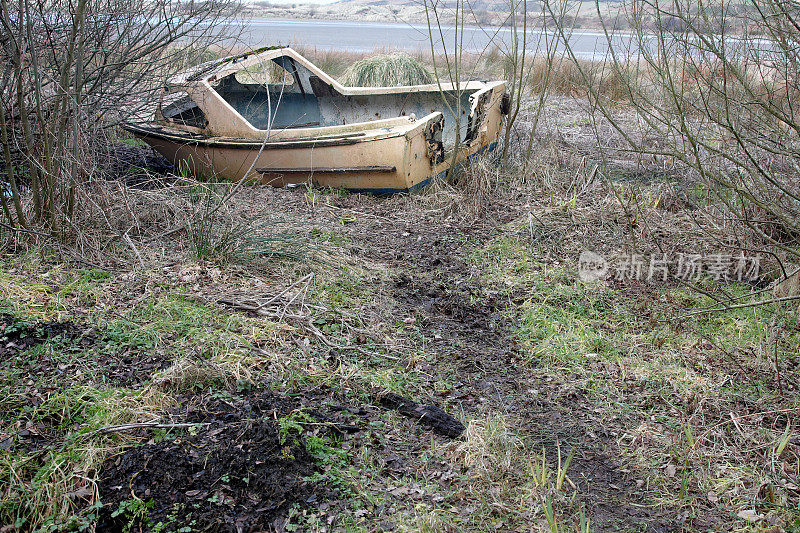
(177, 516)
(218, 238)
(301, 427)
(136, 512)
(132, 141)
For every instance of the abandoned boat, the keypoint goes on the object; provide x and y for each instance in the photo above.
(272, 116)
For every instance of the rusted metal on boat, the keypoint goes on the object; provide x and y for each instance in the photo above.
(274, 117)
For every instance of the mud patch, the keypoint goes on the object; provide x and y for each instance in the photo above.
(60, 367)
(18, 335)
(238, 472)
(133, 369)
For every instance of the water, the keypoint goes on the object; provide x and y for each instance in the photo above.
(369, 36)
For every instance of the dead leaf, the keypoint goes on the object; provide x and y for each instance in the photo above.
(750, 515)
(84, 493)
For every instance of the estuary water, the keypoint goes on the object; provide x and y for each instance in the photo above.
(369, 36)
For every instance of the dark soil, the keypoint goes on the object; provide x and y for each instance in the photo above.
(129, 369)
(473, 332)
(234, 474)
(18, 335)
(430, 415)
(202, 475)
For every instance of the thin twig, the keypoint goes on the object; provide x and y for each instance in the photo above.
(129, 242)
(25, 230)
(775, 411)
(307, 278)
(254, 306)
(317, 333)
(758, 303)
(148, 425)
(362, 213)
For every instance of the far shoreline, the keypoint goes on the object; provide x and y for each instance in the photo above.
(589, 32)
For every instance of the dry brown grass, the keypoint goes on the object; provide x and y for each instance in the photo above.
(561, 77)
(492, 449)
(187, 374)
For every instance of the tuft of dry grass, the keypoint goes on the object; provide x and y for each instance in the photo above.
(384, 70)
(519, 479)
(186, 374)
(492, 448)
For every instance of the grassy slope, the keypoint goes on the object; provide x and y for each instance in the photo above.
(601, 401)
(660, 395)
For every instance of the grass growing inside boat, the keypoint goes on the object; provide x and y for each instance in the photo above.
(385, 70)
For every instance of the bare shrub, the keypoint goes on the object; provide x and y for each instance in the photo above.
(722, 105)
(72, 70)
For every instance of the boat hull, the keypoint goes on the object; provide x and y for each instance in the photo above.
(381, 164)
(225, 121)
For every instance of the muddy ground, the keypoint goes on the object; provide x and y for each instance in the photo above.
(302, 439)
(235, 473)
(201, 474)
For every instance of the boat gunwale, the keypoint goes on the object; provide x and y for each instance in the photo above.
(157, 132)
(233, 64)
(225, 121)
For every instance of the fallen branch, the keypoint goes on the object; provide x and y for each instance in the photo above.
(749, 415)
(317, 333)
(429, 415)
(147, 425)
(280, 311)
(758, 303)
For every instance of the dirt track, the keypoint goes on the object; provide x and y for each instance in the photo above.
(290, 427)
(472, 348)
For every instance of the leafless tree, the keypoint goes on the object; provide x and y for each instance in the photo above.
(71, 71)
(717, 83)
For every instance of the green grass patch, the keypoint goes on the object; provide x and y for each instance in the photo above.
(668, 379)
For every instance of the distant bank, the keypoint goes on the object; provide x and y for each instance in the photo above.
(368, 36)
